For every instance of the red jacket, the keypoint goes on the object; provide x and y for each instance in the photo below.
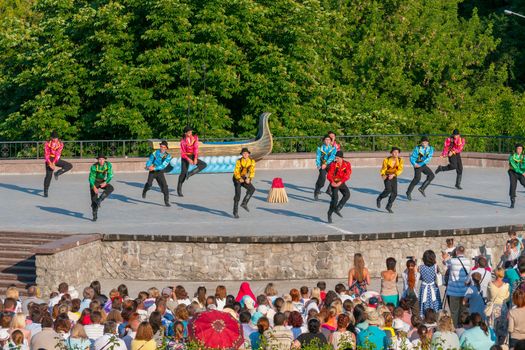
(53, 151)
(189, 146)
(341, 172)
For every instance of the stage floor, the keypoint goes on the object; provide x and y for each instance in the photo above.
(207, 205)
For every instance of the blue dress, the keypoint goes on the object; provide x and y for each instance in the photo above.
(429, 297)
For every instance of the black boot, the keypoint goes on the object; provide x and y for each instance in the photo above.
(329, 190)
(378, 202)
(330, 212)
(458, 182)
(101, 198)
(193, 172)
(46, 194)
(439, 169)
(236, 209)
(409, 196)
(245, 201)
(146, 189)
(179, 189)
(389, 208)
(167, 199)
(95, 212)
(338, 211)
(512, 202)
(424, 187)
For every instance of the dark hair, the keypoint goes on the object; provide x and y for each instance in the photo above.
(262, 299)
(343, 321)
(263, 324)
(201, 294)
(359, 313)
(278, 304)
(304, 290)
(279, 318)
(245, 316)
(477, 321)
(464, 317)
(96, 287)
(326, 137)
(36, 315)
(429, 258)
(391, 264)
(96, 316)
(62, 324)
(321, 285)
(123, 290)
(313, 325)
(110, 327)
(430, 316)
(47, 321)
(295, 319)
(340, 288)
(155, 319)
(521, 264)
(330, 297)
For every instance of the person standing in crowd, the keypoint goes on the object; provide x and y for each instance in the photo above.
(496, 309)
(325, 156)
(100, 174)
(333, 142)
(420, 158)
(52, 153)
(452, 149)
(390, 171)
(429, 296)
(279, 337)
(517, 317)
(358, 276)
(389, 292)
(243, 175)
(189, 153)
(410, 278)
(516, 171)
(157, 164)
(474, 297)
(339, 172)
(458, 272)
(514, 275)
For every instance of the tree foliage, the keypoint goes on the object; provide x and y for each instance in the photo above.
(145, 68)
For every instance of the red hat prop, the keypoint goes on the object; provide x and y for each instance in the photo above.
(277, 193)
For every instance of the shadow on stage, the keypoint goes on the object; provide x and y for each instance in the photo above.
(290, 213)
(140, 185)
(126, 199)
(55, 210)
(32, 191)
(204, 209)
(475, 200)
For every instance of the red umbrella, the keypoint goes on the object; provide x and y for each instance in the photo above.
(216, 329)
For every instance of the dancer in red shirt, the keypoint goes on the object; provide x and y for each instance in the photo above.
(52, 153)
(338, 173)
(189, 152)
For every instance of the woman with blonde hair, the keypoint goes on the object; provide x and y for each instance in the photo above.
(78, 340)
(18, 322)
(358, 276)
(270, 292)
(445, 337)
(316, 293)
(144, 338)
(496, 309)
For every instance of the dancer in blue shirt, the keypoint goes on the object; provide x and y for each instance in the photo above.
(421, 156)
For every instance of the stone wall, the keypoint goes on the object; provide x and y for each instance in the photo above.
(146, 260)
(76, 265)
(246, 258)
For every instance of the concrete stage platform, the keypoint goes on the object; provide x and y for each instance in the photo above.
(206, 208)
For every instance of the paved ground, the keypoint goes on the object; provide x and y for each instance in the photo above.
(206, 208)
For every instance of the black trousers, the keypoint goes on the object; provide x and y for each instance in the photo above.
(65, 167)
(321, 179)
(390, 190)
(185, 164)
(514, 177)
(454, 163)
(335, 204)
(250, 189)
(417, 177)
(94, 196)
(161, 181)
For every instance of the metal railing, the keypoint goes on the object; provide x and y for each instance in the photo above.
(288, 144)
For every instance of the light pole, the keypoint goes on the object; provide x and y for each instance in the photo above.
(510, 13)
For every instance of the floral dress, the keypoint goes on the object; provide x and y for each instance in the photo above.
(429, 297)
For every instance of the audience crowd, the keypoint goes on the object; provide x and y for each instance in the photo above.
(447, 301)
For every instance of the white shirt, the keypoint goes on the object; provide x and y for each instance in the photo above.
(94, 331)
(109, 342)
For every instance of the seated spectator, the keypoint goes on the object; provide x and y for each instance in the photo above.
(47, 338)
(279, 337)
(95, 330)
(342, 338)
(110, 339)
(256, 337)
(373, 337)
(144, 338)
(313, 338)
(78, 340)
(445, 336)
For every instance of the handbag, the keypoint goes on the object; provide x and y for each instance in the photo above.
(489, 308)
(439, 278)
